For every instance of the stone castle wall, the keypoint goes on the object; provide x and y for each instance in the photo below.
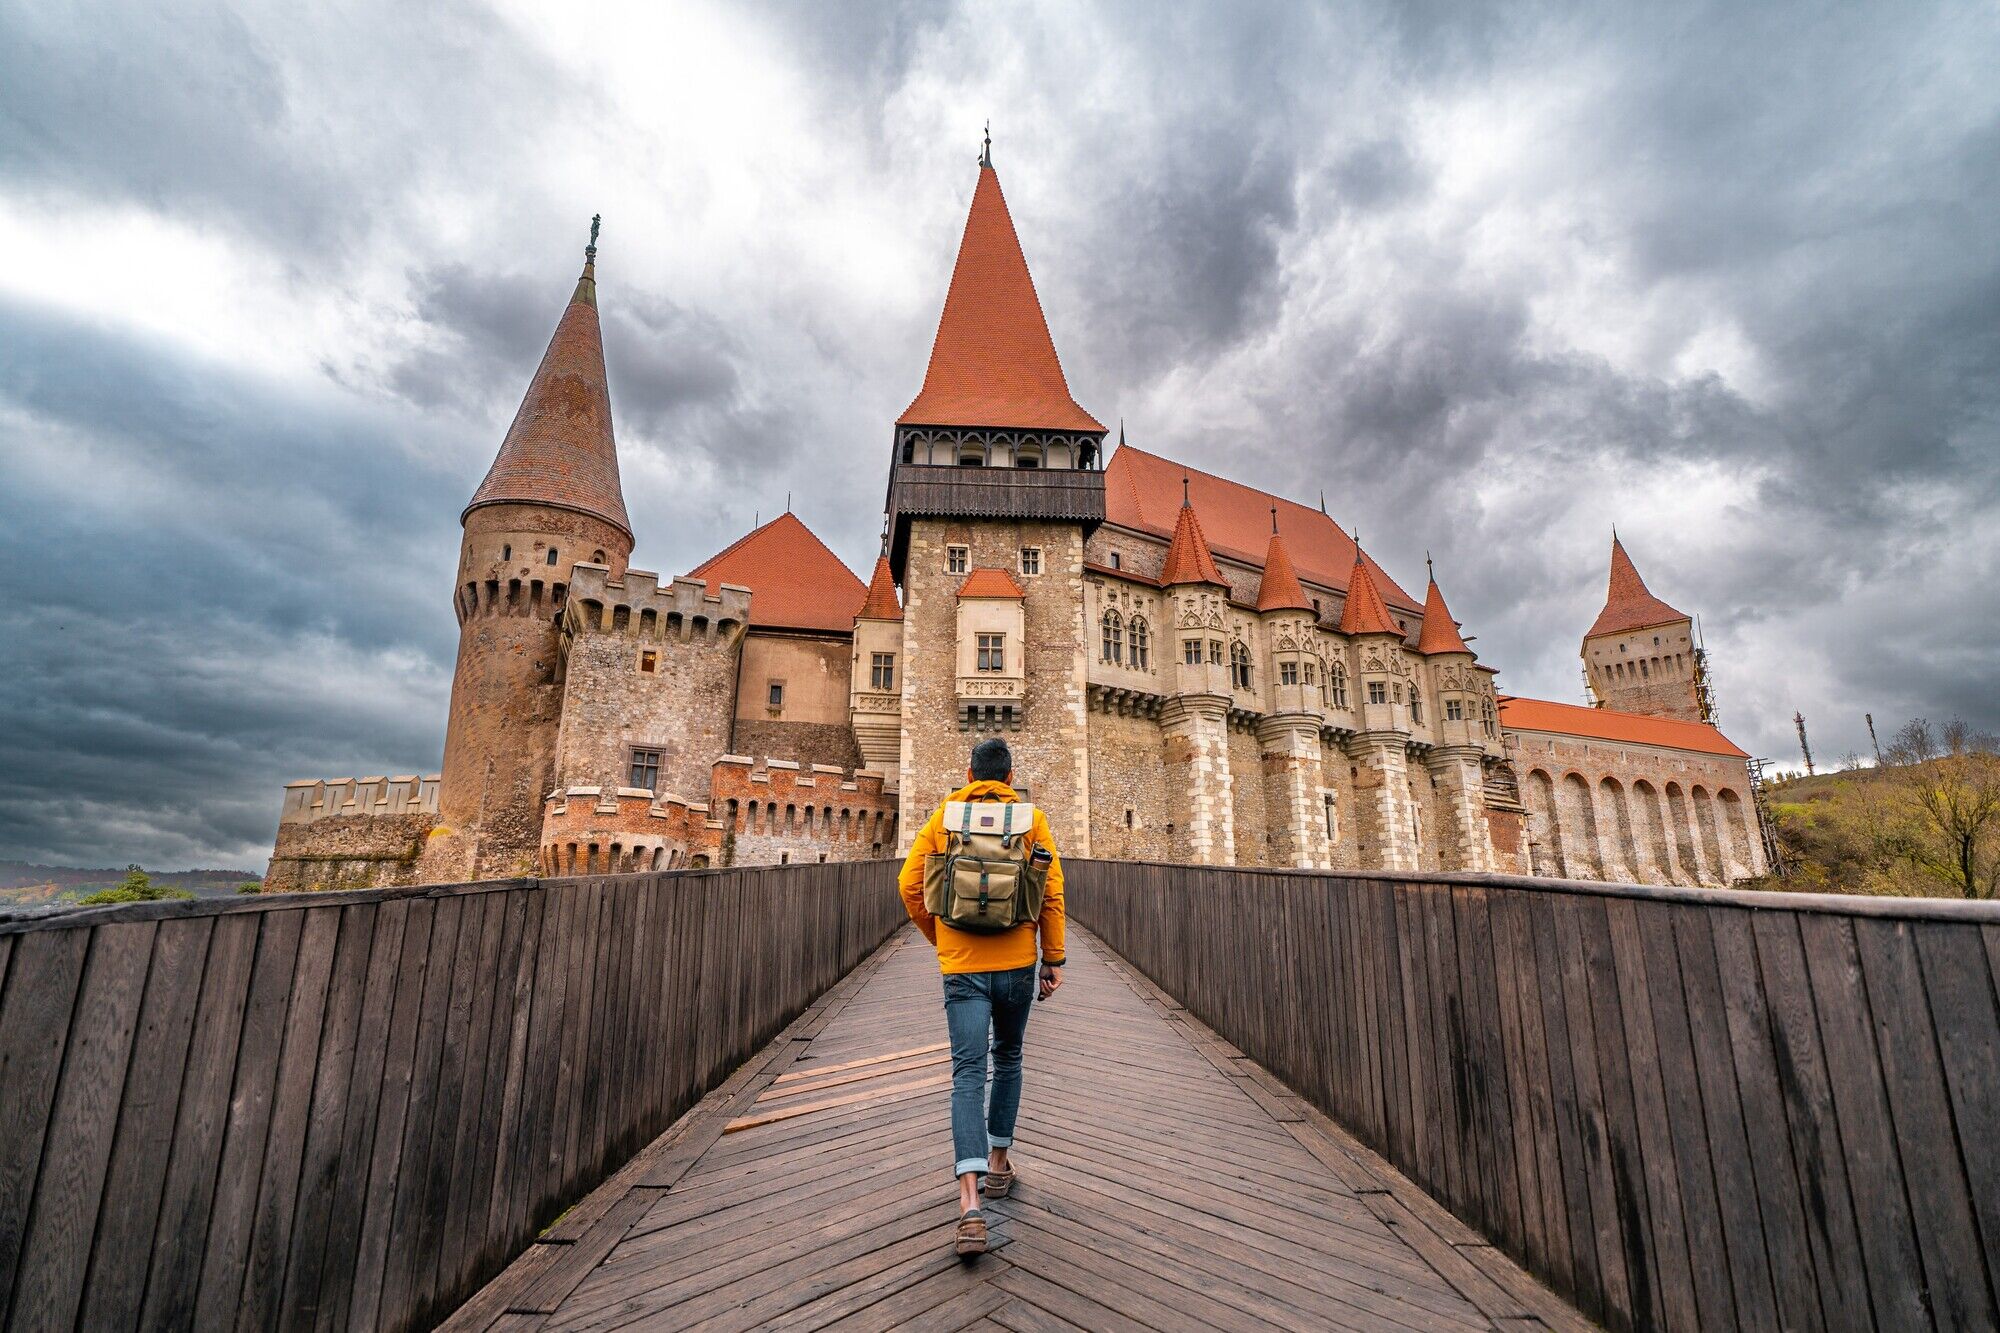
(352, 833)
(1649, 670)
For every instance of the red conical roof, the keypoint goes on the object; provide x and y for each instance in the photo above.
(1440, 632)
(1280, 590)
(1188, 558)
(881, 603)
(1628, 605)
(1365, 612)
(560, 449)
(993, 363)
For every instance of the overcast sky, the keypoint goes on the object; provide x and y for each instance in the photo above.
(272, 282)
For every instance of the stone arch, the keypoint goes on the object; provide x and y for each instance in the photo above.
(1545, 852)
(1734, 815)
(1650, 830)
(659, 857)
(621, 617)
(1711, 836)
(593, 612)
(1583, 852)
(1680, 828)
(1620, 846)
(649, 622)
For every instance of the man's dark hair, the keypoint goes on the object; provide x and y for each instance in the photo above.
(992, 761)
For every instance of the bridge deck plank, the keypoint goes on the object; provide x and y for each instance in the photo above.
(1164, 1183)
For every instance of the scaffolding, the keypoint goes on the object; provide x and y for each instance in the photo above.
(1704, 683)
(1767, 827)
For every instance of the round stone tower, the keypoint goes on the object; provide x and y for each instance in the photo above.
(550, 502)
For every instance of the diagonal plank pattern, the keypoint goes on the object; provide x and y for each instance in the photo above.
(1165, 1182)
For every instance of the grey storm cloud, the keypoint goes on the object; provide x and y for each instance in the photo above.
(1492, 278)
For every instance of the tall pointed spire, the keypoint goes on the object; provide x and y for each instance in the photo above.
(1365, 612)
(1440, 632)
(881, 603)
(1280, 589)
(560, 450)
(993, 363)
(1628, 604)
(1188, 557)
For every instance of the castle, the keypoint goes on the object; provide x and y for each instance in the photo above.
(1188, 669)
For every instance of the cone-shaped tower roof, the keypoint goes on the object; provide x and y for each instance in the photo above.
(1280, 590)
(881, 603)
(993, 363)
(1188, 558)
(1365, 612)
(1628, 605)
(1440, 632)
(560, 450)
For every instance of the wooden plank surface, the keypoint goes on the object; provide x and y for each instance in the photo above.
(1154, 1191)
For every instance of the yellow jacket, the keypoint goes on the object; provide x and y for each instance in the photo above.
(963, 950)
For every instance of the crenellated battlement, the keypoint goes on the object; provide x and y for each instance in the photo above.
(314, 799)
(639, 604)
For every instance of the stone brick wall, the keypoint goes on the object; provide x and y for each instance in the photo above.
(1130, 816)
(1648, 670)
(1256, 839)
(1051, 743)
(777, 811)
(1604, 810)
(604, 831)
(806, 743)
(349, 852)
(612, 704)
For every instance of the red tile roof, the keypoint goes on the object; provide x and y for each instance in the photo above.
(1188, 558)
(881, 603)
(560, 449)
(1628, 605)
(1142, 491)
(1364, 612)
(988, 582)
(795, 582)
(993, 363)
(1440, 633)
(1279, 589)
(1608, 724)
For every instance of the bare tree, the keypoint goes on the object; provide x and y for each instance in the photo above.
(1948, 792)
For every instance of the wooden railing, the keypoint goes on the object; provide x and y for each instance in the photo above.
(350, 1110)
(1681, 1108)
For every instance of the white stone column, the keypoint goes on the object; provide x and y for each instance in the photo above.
(1196, 731)
(1463, 783)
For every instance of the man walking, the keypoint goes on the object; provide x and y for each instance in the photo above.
(982, 883)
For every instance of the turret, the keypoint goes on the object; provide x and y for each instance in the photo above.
(550, 501)
(876, 690)
(1289, 618)
(1463, 703)
(1381, 702)
(1640, 656)
(1200, 597)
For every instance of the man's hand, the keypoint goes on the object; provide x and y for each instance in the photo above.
(1051, 979)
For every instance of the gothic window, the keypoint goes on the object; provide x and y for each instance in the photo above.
(1215, 652)
(957, 559)
(1142, 645)
(1239, 666)
(992, 652)
(1288, 673)
(1416, 708)
(1486, 716)
(645, 773)
(1031, 559)
(1454, 710)
(1312, 671)
(1114, 638)
(1336, 685)
(1378, 693)
(1191, 652)
(882, 672)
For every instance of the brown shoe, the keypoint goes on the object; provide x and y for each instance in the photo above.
(997, 1184)
(971, 1237)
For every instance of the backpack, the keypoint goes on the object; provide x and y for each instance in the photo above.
(991, 874)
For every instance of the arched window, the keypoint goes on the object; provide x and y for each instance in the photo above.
(597, 557)
(507, 551)
(552, 555)
(1028, 455)
(1142, 645)
(1239, 665)
(971, 455)
(1486, 716)
(1114, 638)
(1336, 685)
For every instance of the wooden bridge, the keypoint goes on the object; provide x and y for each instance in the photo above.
(717, 1100)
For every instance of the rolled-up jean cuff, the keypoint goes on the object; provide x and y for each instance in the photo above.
(965, 1164)
(993, 1142)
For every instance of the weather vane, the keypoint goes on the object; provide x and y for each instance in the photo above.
(986, 147)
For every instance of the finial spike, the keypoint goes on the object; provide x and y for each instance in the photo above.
(1322, 499)
(986, 147)
(1274, 520)
(788, 502)
(1184, 488)
(1121, 432)
(1429, 568)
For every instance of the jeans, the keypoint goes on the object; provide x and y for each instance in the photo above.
(986, 1011)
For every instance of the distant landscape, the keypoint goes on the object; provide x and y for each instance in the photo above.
(23, 884)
